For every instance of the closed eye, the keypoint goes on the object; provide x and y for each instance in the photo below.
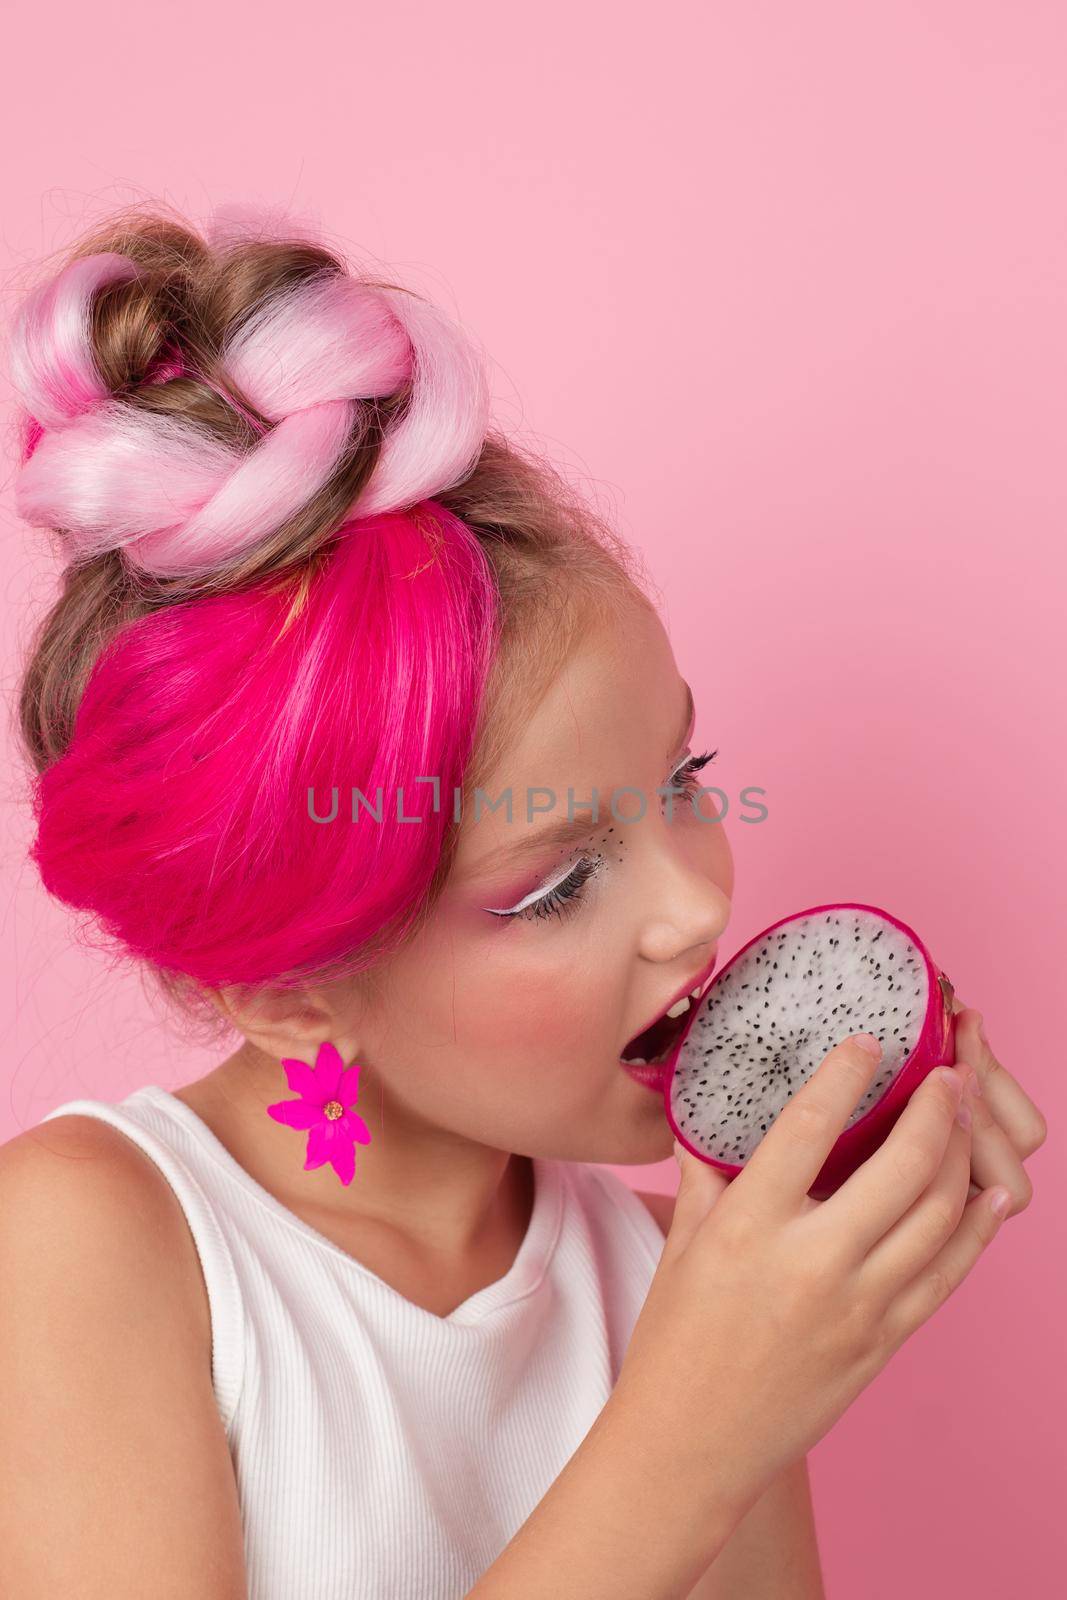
(545, 903)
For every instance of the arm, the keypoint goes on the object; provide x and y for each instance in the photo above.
(772, 1553)
(114, 1466)
(613, 1526)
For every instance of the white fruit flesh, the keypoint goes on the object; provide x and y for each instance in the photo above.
(770, 1018)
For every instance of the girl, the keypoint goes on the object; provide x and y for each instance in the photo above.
(319, 725)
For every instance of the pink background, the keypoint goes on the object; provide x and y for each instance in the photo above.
(784, 285)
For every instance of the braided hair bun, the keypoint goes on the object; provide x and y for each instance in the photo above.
(345, 398)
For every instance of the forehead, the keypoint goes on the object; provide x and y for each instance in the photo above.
(604, 720)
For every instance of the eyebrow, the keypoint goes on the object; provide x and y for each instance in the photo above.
(566, 829)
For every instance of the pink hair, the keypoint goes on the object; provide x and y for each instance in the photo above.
(179, 814)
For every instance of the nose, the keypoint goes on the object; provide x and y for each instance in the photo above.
(692, 910)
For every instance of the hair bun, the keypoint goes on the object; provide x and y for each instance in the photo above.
(308, 355)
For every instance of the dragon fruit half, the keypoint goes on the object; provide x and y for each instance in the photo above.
(779, 1005)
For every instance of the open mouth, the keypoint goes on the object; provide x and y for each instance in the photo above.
(654, 1043)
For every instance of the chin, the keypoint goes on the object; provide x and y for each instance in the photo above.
(625, 1145)
(621, 1124)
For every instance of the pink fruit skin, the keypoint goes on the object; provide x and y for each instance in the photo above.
(935, 1047)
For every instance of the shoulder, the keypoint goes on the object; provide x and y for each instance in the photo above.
(105, 1358)
(81, 1203)
(79, 1157)
(661, 1207)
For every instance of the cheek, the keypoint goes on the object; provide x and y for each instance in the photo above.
(513, 1012)
(505, 994)
(488, 997)
(522, 1014)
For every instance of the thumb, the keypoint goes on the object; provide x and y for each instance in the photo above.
(699, 1188)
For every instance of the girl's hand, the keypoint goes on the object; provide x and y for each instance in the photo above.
(769, 1311)
(1008, 1127)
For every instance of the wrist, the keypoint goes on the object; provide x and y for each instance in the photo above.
(701, 1468)
(674, 1506)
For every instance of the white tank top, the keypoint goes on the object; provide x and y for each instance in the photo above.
(382, 1452)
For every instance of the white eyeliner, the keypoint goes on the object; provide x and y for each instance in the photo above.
(539, 893)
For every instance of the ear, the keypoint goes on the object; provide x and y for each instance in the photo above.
(287, 1022)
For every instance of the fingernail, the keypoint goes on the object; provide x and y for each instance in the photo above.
(963, 1114)
(868, 1042)
(974, 1083)
(678, 1153)
(982, 1032)
(1000, 1203)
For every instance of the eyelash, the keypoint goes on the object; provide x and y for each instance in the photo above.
(569, 889)
(690, 768)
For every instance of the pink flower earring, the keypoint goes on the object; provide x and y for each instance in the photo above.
(325, 1091)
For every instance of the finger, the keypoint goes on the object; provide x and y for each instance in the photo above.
(880, 1191)
(994, 1158)
(940, 1277)
(699, 1188)
(789, 1157)
(958, 1005)
(926, 1227)
(1009, 1103)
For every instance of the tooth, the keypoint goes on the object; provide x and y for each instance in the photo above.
(680, 1007)
(637, 1061)
(694, 994)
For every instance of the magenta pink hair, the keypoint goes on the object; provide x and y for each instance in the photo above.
(179, 814)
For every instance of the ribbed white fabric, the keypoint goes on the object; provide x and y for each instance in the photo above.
(382, 1452)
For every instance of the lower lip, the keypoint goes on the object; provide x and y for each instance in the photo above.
(653, 1077)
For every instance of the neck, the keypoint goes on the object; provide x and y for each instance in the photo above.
(442, 1192)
